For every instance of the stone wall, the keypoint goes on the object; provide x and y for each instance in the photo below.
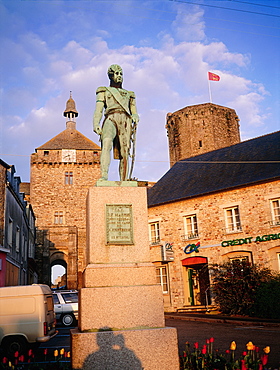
(255, 215)
(49, 194)
(201, 128)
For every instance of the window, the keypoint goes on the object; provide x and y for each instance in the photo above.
(238, 260)
(58, 217)
(10, 232)
(232, 219)
(154, 232)
(275, 212)
(17, 238)
(68, 178)
(190, 226)
(161, 273)
(46, 153)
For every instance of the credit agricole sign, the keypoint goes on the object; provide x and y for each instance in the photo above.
(251, 239)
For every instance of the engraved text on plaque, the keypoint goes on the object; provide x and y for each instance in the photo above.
(119, 224)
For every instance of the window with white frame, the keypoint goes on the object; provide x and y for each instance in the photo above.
(154, 232)
(162, 278)
(232, 217)
(68, 178)
(58, 217)
(190, 226)
(275, 211)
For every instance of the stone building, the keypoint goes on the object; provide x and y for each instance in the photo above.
(201, 128)
(212, 208)
(17, 231)
(62, 170)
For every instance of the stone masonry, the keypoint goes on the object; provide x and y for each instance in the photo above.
(255, 216)
(201, 128)
(62, 170)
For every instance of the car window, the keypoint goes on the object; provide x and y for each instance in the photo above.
(70, 297)
(55, 299)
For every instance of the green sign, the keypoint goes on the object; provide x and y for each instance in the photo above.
(258, 239)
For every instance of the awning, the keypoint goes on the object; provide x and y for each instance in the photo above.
(194, 261)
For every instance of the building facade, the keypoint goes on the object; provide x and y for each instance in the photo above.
(17, 232)
(201, 128)
(62, 170)
(214, 208)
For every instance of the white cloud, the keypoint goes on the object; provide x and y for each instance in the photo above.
(189, 26)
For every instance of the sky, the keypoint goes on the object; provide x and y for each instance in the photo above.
(166, 48)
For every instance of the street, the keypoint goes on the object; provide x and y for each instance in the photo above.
(224, 334)
(197, 331)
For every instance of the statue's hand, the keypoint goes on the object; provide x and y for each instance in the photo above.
(97, 130)
(135, 118)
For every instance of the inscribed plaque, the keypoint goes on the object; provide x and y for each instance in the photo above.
(119, 224)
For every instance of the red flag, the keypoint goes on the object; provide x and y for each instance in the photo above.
(213, 77)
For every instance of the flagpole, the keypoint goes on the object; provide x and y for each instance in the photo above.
(210, 96)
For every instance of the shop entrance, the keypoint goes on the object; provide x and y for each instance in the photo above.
(196, 281)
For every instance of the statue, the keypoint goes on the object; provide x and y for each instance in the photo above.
(119, 126)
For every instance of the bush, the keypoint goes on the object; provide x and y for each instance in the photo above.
(267, 299)
(241, 288)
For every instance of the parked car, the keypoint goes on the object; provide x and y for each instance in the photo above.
(26, 317)
(66, 306)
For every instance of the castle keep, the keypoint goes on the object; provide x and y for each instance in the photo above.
(199, 129)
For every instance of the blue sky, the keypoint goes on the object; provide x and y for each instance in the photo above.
(165, 49)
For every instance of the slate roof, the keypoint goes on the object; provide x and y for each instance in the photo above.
(242, 164)
(70, 138)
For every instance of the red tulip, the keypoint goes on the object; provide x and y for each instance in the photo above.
(45, 351)
(264, 359)
(204, 350)
(243, 365)
(196, 345)
(4, 360)
(211, 340)
(16, 354)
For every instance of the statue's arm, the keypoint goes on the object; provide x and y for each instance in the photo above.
(133, 109)
(100, 103)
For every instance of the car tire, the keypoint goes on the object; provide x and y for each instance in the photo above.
(68, 320)
(12, 344)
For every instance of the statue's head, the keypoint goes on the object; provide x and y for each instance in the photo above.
(115, 75)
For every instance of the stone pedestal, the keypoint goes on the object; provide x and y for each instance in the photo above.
(121, 316)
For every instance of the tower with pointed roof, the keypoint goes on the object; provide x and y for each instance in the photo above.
(62, 170)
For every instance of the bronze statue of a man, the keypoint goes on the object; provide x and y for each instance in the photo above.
(120, 121)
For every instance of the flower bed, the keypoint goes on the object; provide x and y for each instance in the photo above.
(209, 359)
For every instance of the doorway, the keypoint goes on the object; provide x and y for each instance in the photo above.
(196, 281)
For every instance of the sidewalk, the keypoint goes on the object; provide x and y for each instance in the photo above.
(219, 318)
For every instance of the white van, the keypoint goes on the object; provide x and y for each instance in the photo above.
(26, 317)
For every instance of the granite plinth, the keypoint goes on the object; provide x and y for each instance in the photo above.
(149, 349)
(117, 274)
(98, 248)
(121, 307)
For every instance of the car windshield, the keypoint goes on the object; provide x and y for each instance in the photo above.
(70, 297)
